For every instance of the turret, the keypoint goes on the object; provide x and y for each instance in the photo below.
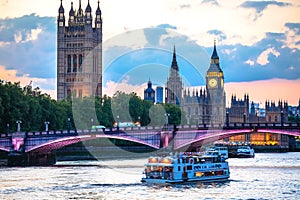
(174, 62)
(61, 15)
(252, 111)
(80, 16)
(88, 14)
(71, 15)
(214, 56)
(98, 21)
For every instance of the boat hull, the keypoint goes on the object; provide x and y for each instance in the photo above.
(201, 179)
(245, 155)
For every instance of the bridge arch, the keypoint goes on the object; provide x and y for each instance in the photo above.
(280, 131)
(4, 149)
(62, 142)
(206, 135)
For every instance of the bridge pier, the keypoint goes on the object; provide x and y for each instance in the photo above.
(44, 159)
(30, 159)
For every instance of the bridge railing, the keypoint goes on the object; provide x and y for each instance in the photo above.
(158, 128)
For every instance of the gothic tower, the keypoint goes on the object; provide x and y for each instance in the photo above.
(174, 83)
(79, 53)
(215, 89)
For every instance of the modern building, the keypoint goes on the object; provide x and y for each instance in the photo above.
(79, 52)
(149, 93)
(159, 94)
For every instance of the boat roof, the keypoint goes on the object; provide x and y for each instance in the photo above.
(160, 164)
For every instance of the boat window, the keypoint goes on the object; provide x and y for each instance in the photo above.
(189, 167)
(178, 168)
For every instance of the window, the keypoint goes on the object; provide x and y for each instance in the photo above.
(74, 63)
(69, 63)
(80, 63)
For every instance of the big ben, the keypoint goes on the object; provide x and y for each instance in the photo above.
(215, 90)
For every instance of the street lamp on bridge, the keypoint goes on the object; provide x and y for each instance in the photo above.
(7, 125)
(167, 119)
(19, 125)
(69, 125)
(227, 118)
(118, 121)
(92, 122)
(46, 125)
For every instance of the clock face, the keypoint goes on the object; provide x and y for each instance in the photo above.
(212, 82)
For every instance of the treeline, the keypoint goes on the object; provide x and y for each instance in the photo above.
(34, 108)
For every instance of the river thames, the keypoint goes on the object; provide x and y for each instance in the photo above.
(267, 176)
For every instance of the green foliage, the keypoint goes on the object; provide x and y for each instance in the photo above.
(34, 108)
(175, 113)
(294, 119)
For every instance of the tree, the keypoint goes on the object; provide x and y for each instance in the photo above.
(175, 114)
(136, 107)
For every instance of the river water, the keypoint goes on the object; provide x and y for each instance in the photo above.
(267, 176)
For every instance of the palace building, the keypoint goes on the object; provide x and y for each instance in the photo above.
(205, 106)
(79, 52)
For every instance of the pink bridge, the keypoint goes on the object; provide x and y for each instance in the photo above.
(155, 137)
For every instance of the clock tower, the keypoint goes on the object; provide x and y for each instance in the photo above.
(215, 89)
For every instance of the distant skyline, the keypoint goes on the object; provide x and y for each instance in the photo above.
(258, 43)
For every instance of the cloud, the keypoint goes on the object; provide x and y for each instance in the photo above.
(263, 58)
(219, 34)
(213, 2)
(47, 85)
(249, 62)
(164, 26)
(294, 26)
(292, 33)
(185, 6)
(28, 44)
(260, 91)
(154, 59)
(111, 87)
(259, 6)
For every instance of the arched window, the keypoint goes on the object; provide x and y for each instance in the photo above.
(74, 63)
(69, 63)
(80, 63)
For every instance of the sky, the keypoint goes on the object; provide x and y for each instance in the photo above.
(258, 43)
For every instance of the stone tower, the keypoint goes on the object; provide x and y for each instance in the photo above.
(174, 83)
(215, 89)
(79, 52)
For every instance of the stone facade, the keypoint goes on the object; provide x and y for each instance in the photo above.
(79, 53)
(206, 105)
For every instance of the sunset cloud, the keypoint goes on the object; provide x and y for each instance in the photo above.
(251, 44)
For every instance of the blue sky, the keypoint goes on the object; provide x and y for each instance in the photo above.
(256, 41)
